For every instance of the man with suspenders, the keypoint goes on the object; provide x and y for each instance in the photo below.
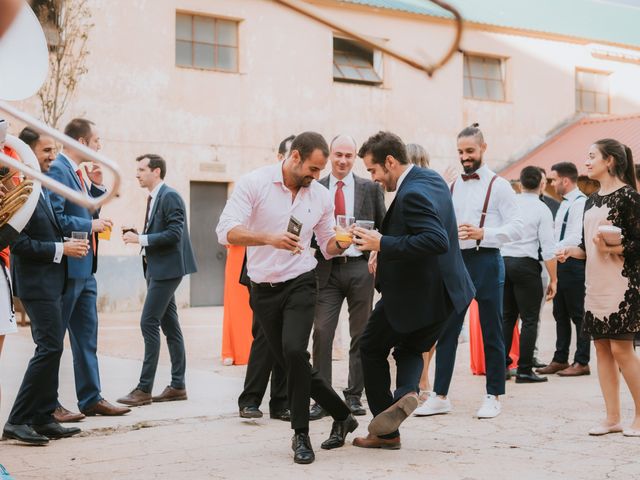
(568, 304)
(488, 217)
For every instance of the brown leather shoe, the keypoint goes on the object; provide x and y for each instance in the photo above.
(105, 408)
(62, 415)
(553, 367)
(371, 441)
(136, 398)
(389, 421)
(170, 394)
(575, 370)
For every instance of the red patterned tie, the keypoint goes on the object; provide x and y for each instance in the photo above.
(338, 203)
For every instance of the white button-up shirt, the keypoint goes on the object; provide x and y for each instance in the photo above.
(537, 230)
(262, 203)
(574, 202)
(503, 222)
(349, 190)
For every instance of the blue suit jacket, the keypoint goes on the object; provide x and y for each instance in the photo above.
(169, 253)
(421, 274)
(72, 217)
(34, 274)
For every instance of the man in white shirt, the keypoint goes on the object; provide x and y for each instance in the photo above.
(346, 276)
(523, 289)
(266, 206)
(568, 304)
(488, 217)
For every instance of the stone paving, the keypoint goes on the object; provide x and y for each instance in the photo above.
(541, 433)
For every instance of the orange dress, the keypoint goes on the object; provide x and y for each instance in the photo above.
(476, 344)
(236, 326)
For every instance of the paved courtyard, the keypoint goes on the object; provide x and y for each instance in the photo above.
(541, 433)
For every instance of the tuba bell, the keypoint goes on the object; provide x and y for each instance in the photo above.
(24, 63)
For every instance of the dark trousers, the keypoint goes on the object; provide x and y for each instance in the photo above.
(80, 316)
(486, 269)
(568, 306)
(377, 341)
(352, 281)
(37, 397)
(522, 295)
(261, 364)
(160, 312)
(285, 313)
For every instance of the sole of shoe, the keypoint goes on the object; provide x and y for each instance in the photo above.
(303, 461)
(40, 443)
(381, 446)
(58, 436)
(487, 417)
(388, 421)
(520, 380)
(135, 404)
(172, 399)
(430, 414)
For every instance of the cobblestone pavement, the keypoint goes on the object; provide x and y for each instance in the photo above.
(541, 433)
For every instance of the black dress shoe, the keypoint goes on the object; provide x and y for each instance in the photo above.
(250, 412)
(302, 451)
(355, 405)
(23, 433)
(317, 412)
(284, 415)
(54, 430)
(538, 364)
(339, 431)
(529, 377)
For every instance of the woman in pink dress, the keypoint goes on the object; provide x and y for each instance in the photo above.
(612, 301)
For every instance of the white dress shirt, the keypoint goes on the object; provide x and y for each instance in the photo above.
(537, 230)
(262, 203)
(144, 240)
(403, 176)
(503, 222)
(574, 201)
(349, 190)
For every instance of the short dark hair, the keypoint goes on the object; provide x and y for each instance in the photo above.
(78, 128)
(29, 136)
(383, 144)
(308, 142)
(282, 148)
(566, 169)
(472, 131)
(530, 177)
(155, 161)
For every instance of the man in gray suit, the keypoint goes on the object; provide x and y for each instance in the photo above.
(167, 257)
(346, 276)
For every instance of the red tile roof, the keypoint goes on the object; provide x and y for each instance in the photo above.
(572, 143)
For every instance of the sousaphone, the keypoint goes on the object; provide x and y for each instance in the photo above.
(24, 63)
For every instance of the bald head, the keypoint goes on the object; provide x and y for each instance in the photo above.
(342, 155)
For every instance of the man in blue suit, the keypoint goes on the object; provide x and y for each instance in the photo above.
(167, 258)
(79, 302)
(422, 279)
(39, 271)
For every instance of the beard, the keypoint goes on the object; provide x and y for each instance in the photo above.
(476, 164)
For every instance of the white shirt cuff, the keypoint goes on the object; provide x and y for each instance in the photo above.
(144, 240)
(57, 258)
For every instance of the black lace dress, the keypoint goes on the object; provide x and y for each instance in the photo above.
(612, 302)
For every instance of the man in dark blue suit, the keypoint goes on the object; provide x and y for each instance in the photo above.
(167, 258)
(79, 302)
(39, 271)
(422, 279)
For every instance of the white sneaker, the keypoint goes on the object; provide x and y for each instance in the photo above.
(490, 407)
(434, 405)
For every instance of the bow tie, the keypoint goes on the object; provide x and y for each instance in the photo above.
(471, 176)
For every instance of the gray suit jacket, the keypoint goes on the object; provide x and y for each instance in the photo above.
(368, 205)
(169, 253)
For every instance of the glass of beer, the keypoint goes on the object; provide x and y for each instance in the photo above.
(105, 234)
(79, 235)
(366, 224)
(343, 226)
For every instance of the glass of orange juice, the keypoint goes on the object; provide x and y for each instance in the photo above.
(105, 234)
(343, 225)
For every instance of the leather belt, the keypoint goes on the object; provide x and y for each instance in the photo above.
(342, 260)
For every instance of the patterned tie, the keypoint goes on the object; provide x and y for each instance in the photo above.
(84, 189)
(340, 208)
(146, 215)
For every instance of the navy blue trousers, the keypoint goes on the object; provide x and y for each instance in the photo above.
(486, 269)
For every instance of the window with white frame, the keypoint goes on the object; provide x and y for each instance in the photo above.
(592, 91)
(356, 63)
(484, 78)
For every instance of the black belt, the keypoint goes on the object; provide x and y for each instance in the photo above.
(278, 284)
(341, 260)
(481, 250)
